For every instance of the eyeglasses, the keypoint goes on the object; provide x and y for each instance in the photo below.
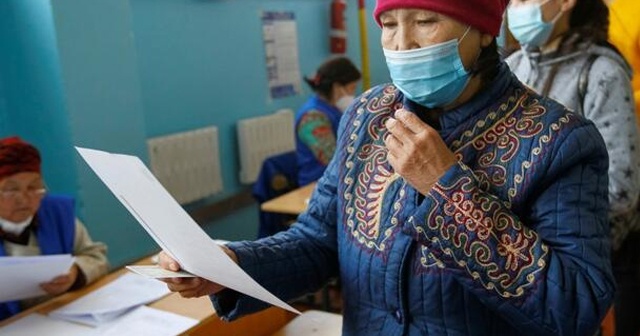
(13, 194)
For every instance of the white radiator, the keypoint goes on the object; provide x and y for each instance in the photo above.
(187, 164)
(261, 137)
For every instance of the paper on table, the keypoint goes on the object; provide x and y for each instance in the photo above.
(141, 321)
(149, 321)
(36, 324)
(169, 225)
(116, 298)
(22, 276)
(157, 272)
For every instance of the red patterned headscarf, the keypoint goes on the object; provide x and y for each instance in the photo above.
(484, 15)
(17, 156)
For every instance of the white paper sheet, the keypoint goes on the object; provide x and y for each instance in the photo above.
(36, 324)
(169, 225)
(147, 321)
(113, 300)
(141, 321)
(21, 276)
(157, 272)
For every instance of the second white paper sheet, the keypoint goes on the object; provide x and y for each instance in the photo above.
(21, 276)
(170, 225)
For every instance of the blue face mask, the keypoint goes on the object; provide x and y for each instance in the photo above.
(432, 76)
(501, 39)
(527, 26)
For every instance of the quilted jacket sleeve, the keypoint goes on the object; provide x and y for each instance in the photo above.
(293, 262)
(547, 273)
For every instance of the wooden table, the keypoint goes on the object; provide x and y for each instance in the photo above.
(292, 203)
(201, 309)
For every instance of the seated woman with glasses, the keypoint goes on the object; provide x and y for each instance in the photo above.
(33, 222)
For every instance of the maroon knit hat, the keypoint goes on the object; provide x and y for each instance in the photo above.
(484, 15)
(17, 156)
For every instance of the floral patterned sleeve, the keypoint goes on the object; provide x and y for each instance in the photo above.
(557, 256)
(316, 132)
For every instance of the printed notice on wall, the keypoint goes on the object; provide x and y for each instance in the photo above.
(281, 48)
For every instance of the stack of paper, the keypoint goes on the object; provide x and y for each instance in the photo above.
(157, 272)
(149, 321)
(22, 276)
(140, 322)
(36, 324)
(113, 300)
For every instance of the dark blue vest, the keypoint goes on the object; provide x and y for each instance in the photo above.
(55, 233)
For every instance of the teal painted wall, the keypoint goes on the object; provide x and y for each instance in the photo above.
(31, 103)
(203, 63)
(6, 48)
(104, 108)
(4, 112)
(109, 74)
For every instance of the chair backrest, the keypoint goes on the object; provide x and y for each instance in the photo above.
(278, 175)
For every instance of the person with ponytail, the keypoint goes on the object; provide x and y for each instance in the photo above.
(316, 122)
(36, 222)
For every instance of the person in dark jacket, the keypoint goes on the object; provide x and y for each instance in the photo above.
(461, 203)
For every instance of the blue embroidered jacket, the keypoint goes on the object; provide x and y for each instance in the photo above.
(512, 240)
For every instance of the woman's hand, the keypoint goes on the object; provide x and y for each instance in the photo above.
(61, 283)
(190, 287)
(416, 151)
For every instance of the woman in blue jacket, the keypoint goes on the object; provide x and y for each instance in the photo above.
(461, 202)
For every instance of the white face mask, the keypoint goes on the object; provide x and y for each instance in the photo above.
(343, 103)
(14, 228)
